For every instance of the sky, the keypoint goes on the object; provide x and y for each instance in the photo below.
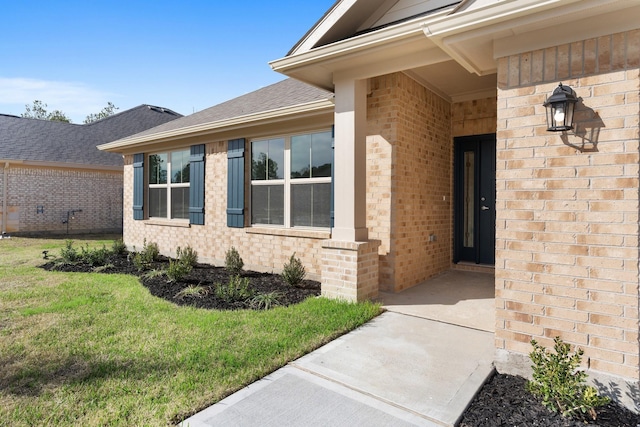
(76, 56)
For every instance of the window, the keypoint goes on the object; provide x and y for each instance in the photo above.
(169, 185)
(291, 180)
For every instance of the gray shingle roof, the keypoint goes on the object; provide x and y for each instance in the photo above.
(43, 140)
(283, 94)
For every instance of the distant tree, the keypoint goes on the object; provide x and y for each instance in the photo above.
(39, 111)
(107, 111)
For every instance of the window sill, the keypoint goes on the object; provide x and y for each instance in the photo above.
(290, 232)
(168, 222)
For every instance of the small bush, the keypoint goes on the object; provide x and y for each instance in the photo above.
(69, 254)
(236, 290)
(187, 255)
(118, 247)
(177, 270)
(233, 262)
(94, 257)
(265, 301)
(559, 383)
(144, 258)
(293, 272)
(150, 251)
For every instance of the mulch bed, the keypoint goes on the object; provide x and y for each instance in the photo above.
(204, 275)
(505, 401)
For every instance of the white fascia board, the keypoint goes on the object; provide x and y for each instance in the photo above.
(264, 117)
(324, 25)
(355, 45)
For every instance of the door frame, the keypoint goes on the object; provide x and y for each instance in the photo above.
(484, 147)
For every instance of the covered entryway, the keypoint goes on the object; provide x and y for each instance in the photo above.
(456, 297)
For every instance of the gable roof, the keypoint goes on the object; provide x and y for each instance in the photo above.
(34, 140)
(349, 18)
(286, 94)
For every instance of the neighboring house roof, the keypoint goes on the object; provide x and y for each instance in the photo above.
(34, 140)
(276, 97)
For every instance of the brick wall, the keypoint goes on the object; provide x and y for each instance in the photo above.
(567, 204)
(474, 117)
(262, 249)
(410, 143)
(38, 200)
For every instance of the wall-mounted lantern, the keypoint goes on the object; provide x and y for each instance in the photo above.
(560, 106)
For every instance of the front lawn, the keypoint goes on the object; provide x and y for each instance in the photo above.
(97, 349)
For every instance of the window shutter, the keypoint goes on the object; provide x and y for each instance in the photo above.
(333, 168)
(138, 186)
(196, 185)
(235, 183)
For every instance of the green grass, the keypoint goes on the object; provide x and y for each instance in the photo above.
(93, 349)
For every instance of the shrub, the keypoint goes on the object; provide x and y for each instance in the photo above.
(187, 255)
(293, 272)
(146, 256)
(118, 247)
(559, 383)
(265, 301)
(69, 254)
(177, 270)
(236, 290)
(233, 262)
(94, 257)
(150, 251)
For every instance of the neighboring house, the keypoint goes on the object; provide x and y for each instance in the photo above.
(442, 161)
(53, 179)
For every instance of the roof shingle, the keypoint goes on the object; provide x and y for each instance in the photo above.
(49, 141)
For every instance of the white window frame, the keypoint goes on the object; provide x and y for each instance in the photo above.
(168, 185)
(287, 181)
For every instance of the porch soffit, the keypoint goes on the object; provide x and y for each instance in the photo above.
(455, 52)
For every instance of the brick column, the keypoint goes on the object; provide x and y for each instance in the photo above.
(350, 270)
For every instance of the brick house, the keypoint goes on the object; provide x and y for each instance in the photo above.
(55, 180)
(441, 160)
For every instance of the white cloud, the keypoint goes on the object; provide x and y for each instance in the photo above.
(75, 99)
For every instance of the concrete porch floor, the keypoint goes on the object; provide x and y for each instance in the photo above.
(456, 297)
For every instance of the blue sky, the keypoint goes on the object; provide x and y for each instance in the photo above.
(76, 56)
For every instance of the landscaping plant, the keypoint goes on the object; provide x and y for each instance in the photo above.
(559, 383)
(293, 271)
(188, 255)
(233, 262)
(237, 289)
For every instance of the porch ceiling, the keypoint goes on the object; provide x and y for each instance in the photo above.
(452, 81)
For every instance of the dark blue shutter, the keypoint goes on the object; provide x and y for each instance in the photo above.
(235, 183)
(196, 185)
(138, 186)
(333, 168)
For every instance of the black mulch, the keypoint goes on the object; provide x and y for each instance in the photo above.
(203, 275)
(505, 401)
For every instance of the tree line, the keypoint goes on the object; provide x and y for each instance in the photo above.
(38, 110)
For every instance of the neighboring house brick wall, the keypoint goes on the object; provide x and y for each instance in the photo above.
(410, 131)
(57, 191)
(567, 206)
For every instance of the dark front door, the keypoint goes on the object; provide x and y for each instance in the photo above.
(475, 199)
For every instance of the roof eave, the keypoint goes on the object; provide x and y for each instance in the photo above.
(265, 117)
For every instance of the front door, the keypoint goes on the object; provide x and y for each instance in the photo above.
(475, 199)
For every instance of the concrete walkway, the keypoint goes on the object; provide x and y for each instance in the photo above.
(397, 370)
